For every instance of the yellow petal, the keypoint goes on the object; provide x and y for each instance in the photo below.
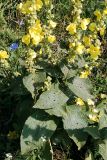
(71, 28)
(3, 54)
(90, 102)
(92, 27)
(26, 39)
(52, 24)
(84, 23)
(51, 38)
(79, 101)
(97, 13)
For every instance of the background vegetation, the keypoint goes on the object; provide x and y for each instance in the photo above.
(44, 109)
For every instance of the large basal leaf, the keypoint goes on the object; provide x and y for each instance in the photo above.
(93, 131)
(74, 122)
(103, 118)
(103, 149)
(89, 156)
(74, 118)
(80, 87)
(60, 137)
(34, 80)
(103, 133)
(102, 105)
(37, 130)
(52, 101)
(81, 62)
(79, 137)
(103, 114)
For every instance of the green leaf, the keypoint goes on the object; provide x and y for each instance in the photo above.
(64, 70)
(61, 137)
(80, 87)
(93, 131)
(103, 134)
(52, 70)
(78, 136)
(52, 101)
(74, 122)
(34, 80)
(103, 119)
(103, 149)
(74, 118)
(102, 105)
(37, 130)
(81, 62)
(68, 71)
(89, 156)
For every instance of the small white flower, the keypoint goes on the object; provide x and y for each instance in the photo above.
(43, 139)
(103, 95)
(90, 102)
(9, 156)
(95, 110)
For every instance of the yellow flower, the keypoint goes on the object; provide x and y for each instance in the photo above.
(71, 44)
(95, 110)
(90, 102)
(32, 54)
(105, 12)
(25, 8)
(3, 54)
(29, 7)
(36, 32)
(17, 74)
(71, 58)
(51, 38)
(86, 66)
(85, 74)
(19, 6)
(71, 28)
(94, 51)
(37, 39)
(52, 24)
(80, 48)
(26, 39)
(94, 117)
(40, 51)
(97, 42)
(84, 23)
(79, 102)
(92, 26)
(103, 96)
(102, 31)
(97, 13)
(38, 4)
(87, 41)
(35, 29)
(47, 2)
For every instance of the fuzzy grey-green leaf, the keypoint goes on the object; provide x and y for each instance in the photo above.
(103, 149)
(74, 122)
(52, 101)
(74, 119)
(37, 130)
(34, 79)
(81, 88)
